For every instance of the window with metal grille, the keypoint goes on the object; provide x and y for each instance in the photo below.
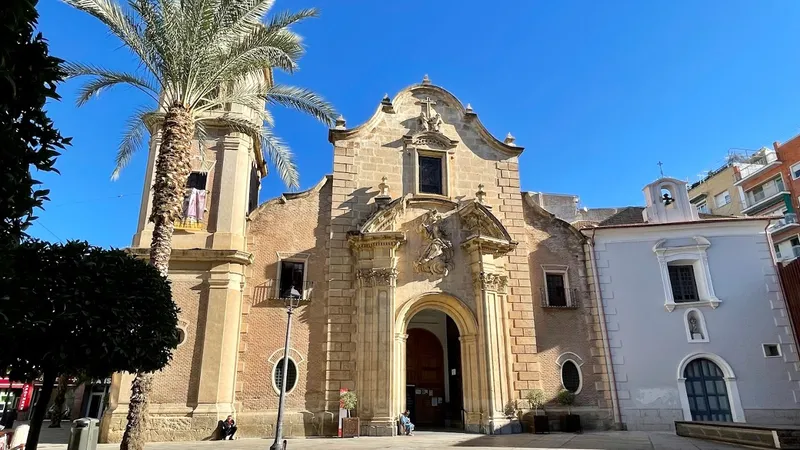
(570, 376)
(430, 175)
(197, 180)
(556, 290)
(684, 286)
(291, 380)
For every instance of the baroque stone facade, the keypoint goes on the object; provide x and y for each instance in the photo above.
(423, 211)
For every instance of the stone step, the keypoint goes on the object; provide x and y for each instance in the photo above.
(762, 436)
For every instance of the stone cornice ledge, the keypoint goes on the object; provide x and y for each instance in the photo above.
(377, 239)
(492, 245)
(200, 255)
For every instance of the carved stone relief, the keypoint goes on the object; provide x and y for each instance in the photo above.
(491, 281)
(437, 254)
(376, 277)
(428, 120)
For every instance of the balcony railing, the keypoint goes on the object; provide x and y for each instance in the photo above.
(572, 299)
(273, 289)
(770, 191)
(794, 254)
(788, 219)
(754, 166)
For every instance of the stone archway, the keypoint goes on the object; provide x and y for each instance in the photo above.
(470, 370)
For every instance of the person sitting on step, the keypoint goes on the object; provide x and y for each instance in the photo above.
(405, 420)
(228, 428)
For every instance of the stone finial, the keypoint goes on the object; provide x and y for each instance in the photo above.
(340, 123)
(383, 198)
(469, 109)
(480, 196)
(384, 188)
(509, 140)
(425, 80)
(386, 100)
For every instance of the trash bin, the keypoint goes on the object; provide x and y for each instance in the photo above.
(83, 434)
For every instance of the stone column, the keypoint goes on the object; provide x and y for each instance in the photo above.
(215, 395)
(471, 384)
(490, 284)
(399, 374)
(376, 351)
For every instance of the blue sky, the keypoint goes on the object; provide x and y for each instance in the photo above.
(597, 92)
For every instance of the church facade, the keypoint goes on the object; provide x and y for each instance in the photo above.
(429, 281)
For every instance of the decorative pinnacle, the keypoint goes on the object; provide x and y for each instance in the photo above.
(340, 122)
(481, 194)
(386, 100)
(469, 109)
(426, 80)
(509, 140)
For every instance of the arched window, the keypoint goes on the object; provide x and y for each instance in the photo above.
(571, 376)
(291, 380)
(181, 335)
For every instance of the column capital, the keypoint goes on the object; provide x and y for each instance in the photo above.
(467, 338)
(493, 282)
(386, 276)
(400, 337)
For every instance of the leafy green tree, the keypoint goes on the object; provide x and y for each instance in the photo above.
(28, 77)
(195, 58)
(76, 309)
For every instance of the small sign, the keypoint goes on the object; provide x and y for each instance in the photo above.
(25, 397)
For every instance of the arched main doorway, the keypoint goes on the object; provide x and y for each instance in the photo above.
(442, 386)
(433, 371)
(707, 392)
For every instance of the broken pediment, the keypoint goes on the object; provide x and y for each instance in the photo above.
(479, 221)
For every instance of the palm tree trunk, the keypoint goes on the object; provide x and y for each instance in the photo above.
(172, 170)
(58, 402)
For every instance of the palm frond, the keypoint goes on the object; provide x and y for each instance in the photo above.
(125, 26)
(303, 100)
(103, 79)
(273, 148)
(136, 130)
(236, 18)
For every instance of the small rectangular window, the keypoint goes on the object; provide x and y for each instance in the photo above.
(556, 289)
(772, 350)
(292, 275)
(197, 180)
(777, 251)
(430, 175)
(795, 241)
(684, 286)
(722, 199)
(795, 171)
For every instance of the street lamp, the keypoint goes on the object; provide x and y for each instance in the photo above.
(292, 299)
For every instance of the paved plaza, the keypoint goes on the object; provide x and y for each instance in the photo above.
(631, 440)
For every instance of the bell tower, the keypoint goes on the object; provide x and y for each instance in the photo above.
(667, 200)
(208, 269)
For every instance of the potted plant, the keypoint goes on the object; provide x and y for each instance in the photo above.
(571, 423)
(536, 423)
(511, 410)
(351, 426)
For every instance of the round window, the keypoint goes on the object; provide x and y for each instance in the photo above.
(291, 379)
(570, 377)
(181, 335)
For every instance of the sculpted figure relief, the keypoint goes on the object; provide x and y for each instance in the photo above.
(437, 256)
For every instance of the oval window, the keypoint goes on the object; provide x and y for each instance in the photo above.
(570, 377)
(291, 380)
(181, 335)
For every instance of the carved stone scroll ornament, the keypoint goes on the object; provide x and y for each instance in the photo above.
(491, 282)
(437, 255)
(376, 277)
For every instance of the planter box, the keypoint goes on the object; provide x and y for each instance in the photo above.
(535, 423)
(351, 427)
(571, 423)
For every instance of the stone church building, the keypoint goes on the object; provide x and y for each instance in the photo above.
(429, 282)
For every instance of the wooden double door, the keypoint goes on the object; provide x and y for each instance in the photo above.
(425, 388)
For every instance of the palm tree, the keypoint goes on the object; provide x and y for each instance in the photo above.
(195, 57)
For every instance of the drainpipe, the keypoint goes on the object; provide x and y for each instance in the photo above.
(612, 379)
